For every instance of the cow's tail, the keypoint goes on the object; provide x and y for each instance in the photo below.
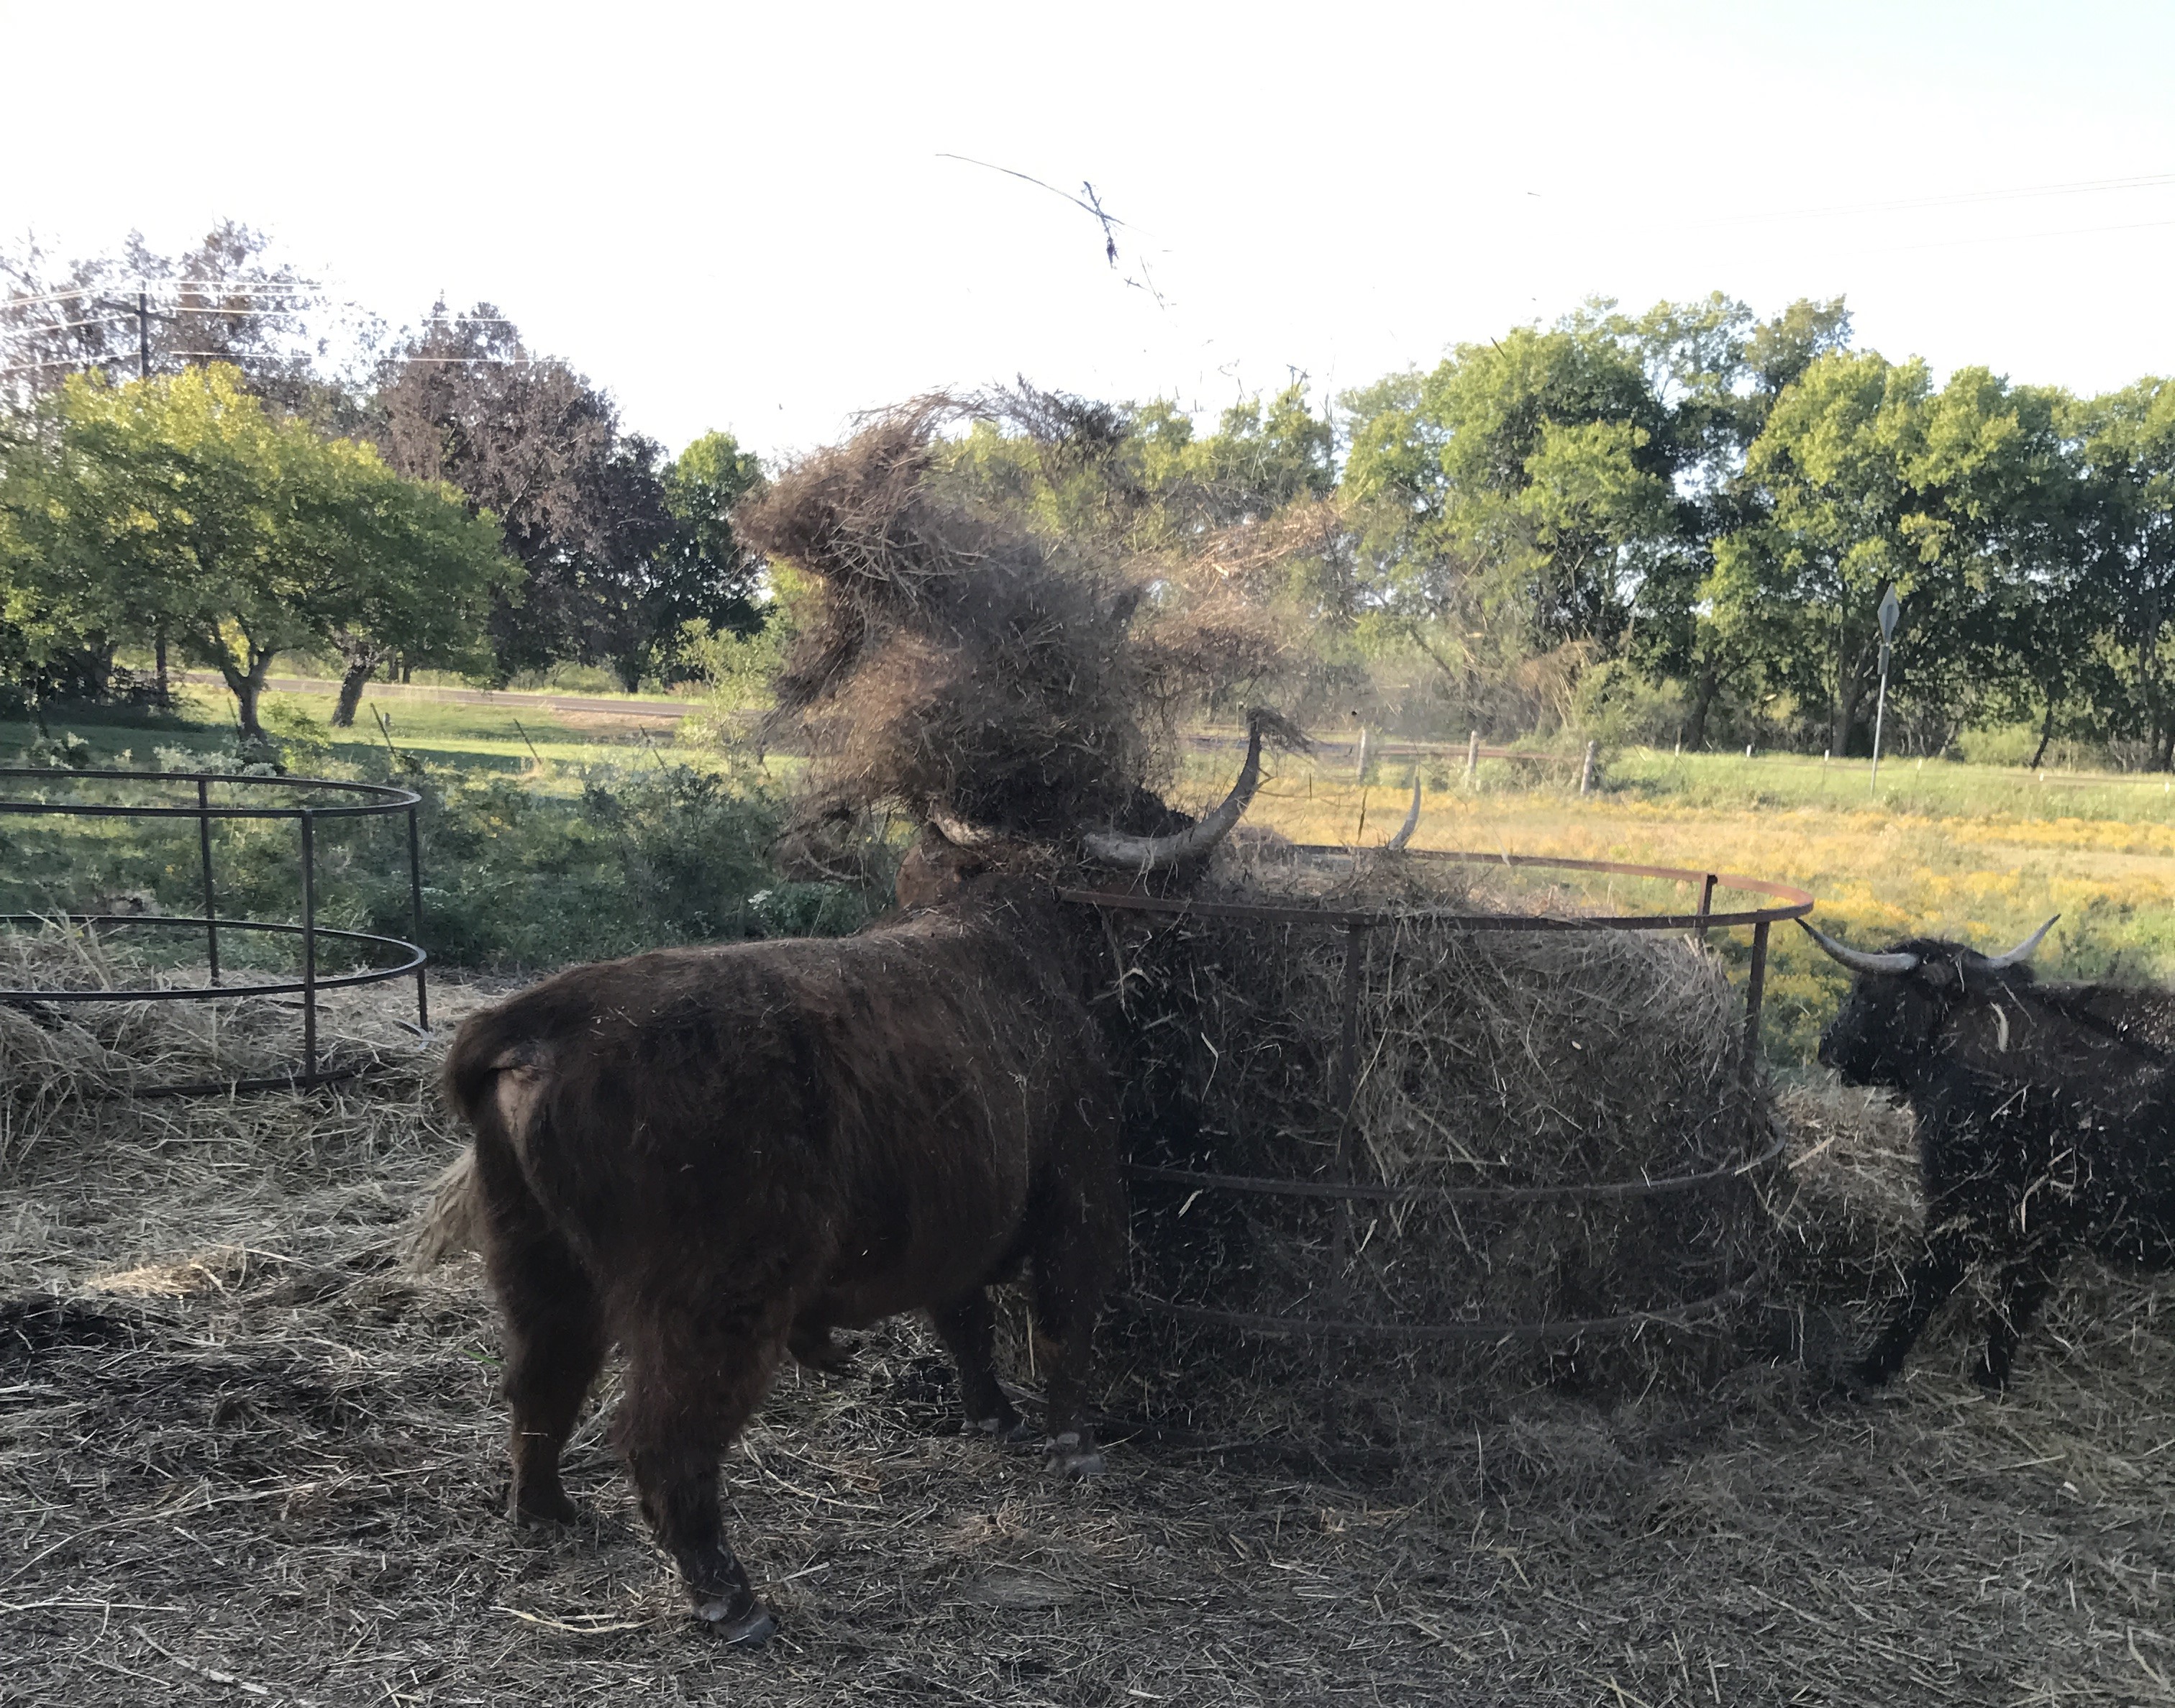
(488, 1045)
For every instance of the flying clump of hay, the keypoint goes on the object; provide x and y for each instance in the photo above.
(952, 656)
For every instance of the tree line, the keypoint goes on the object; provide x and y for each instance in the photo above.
(199, 452)
(1673, 525)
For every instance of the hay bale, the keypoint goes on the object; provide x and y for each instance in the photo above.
(1479, 1060)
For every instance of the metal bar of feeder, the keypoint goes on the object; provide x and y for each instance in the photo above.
(1369, 1193)
(1567, 1328)
(1347, 1087)
(309, 946)
(1706, 905)
(194, 993)
(415, 916)
(1344, 1093)
(1756, 990)
(203, 843)
(373, 798)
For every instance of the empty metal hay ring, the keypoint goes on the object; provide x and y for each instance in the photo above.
(295, 798)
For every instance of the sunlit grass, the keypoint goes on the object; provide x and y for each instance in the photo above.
(1981, 855)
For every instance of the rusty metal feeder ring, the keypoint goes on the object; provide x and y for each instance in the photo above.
(1786, 902)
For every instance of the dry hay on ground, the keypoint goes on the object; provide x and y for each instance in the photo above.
(239, 1446)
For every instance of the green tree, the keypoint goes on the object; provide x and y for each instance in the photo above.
(580, 502)
(2125, 445)
(1870, 479)
(182, 507)
(700, 573)
(1718, 372)
(1507, 504)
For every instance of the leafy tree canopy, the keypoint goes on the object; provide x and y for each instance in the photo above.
(183, 508)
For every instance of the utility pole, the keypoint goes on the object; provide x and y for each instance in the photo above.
(1888, 613)
(141, 308)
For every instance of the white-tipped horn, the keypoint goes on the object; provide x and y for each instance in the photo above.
(1861, 960)
(956, 831)
(1152, 854)
(1412, 818)
(2023, 951)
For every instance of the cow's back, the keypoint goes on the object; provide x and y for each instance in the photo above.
(863, 1114)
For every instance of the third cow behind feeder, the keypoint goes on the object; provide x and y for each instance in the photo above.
(2045, 1115)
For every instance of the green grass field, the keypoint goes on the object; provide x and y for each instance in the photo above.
(1979, 853)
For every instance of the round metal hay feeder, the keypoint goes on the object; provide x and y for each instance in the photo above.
(399, 956)
(1778, 901)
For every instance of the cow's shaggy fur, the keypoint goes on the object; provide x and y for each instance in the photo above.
(714, 1156)
(2046, 1124)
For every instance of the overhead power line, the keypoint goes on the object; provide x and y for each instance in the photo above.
(2150, 180)
(304, 289)
(68, 325)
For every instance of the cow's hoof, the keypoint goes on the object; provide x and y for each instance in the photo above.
(545, 1507)
(749, 1628)
(1067, 1456)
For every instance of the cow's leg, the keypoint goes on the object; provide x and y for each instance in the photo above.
(1070, 1279)
(692, 1387)
(1931, 1280)
(2026, 1281)
(554, 1336)
(967, 1326)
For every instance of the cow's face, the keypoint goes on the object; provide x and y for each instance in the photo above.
(1893, 1023)
(1897, 1016)
(1889, 1022)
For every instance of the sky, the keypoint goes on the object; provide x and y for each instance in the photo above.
(750, 218)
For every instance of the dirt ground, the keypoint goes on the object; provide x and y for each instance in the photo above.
(244, 1456)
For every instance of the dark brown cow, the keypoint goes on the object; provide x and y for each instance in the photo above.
(714, 1156)
(2045, 1116)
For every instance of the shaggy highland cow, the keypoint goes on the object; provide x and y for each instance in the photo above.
(715, 1157)
(2046, 1122)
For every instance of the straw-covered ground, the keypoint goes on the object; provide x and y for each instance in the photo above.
(245, 1455)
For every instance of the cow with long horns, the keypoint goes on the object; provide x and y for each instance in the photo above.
(714, 1158)
(2045, 1116)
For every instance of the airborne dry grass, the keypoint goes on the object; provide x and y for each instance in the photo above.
(244, 1456)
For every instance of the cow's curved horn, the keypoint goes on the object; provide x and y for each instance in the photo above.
(1152, 854)
(1412, 818)
(1861, 960)
(2023, 951)
(956, 831)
